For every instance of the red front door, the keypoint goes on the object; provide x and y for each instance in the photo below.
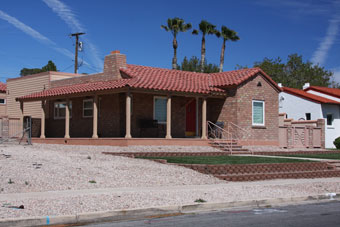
(191, 119)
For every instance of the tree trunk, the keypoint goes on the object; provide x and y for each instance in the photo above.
(174, 59)
(202, 54)
(222, 56)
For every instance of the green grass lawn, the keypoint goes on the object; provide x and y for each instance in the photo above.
(321, 156)
(215, 160)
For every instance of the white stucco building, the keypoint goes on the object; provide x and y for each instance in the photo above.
(313, 103)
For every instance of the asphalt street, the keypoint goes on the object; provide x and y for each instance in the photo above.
(308, 215)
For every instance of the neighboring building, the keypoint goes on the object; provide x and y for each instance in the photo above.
(25, 85)
(3, 108)
(147, 102)
(309, 105)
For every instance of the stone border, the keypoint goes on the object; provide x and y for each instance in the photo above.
(215, 153)
(145, 213)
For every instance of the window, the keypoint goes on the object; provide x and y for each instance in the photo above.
(258, 113)
(2, 101)
(329, 119)
(159, 110)
(308, 116)
(60, 110)
(88, 108)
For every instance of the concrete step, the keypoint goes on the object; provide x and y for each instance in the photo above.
(270, 176)
(226, 146)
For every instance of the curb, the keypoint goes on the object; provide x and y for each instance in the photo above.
(131, 214)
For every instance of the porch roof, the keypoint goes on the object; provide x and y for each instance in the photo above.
(152, 78)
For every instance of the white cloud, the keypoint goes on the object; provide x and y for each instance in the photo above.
(321, 52)
(67, 15)
(34, 34)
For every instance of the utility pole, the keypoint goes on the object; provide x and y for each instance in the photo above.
(76, 53)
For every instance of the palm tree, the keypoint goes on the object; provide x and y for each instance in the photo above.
(227, 34)
(176, 25)
(206, 28)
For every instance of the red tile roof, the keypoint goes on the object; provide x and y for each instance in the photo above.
(78, 88)
(236, 77)
(160, 79)
(309, 96)
(326, 90)
(3, 87)
(169, 80)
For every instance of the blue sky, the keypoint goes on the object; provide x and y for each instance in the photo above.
(33, 32)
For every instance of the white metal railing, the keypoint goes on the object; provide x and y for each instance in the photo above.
(229, 136)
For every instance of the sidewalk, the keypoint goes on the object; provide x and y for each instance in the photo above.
(72, 202)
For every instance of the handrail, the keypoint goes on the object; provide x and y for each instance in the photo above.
(232, 133)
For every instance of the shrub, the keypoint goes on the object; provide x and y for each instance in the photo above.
(337, 143)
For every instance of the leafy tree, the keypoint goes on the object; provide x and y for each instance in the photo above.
(226, 34)
(176, 25)
(49, 67)
(205, 28)
(193, 65)
(295, 72)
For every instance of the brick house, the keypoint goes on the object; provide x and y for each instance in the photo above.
(126, 104)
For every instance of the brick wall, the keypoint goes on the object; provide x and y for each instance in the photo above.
(237, 108)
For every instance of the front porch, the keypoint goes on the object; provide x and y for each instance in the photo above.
(126, 118)
(125, 142)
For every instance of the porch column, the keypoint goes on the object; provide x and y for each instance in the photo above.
(43, 116)
(168, 117)
(128, 116)
(67, 119)
(204, 119)
(95, 117)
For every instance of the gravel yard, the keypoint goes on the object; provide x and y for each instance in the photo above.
(54, 180)
(60, 167)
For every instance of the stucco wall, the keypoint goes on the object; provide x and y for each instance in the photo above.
(296, 107)
(332, 132)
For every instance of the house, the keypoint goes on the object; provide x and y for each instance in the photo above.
(126, 104)
(313, 103)
(2, 99)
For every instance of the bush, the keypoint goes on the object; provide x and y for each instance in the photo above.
(337, 143)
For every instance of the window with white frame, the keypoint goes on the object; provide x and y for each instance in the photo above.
(308, 116)
(88, 108)
(258, 113)
(159, 109)
(329, 119)
(60, 110)
(2, 101)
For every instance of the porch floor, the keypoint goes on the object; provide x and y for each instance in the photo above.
(125, 142)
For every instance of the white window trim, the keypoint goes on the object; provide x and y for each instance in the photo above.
(54, 109)
(154, 109)
(252, 112)
(86, 100)
(4, 101)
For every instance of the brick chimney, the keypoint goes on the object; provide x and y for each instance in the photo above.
(112, 63)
